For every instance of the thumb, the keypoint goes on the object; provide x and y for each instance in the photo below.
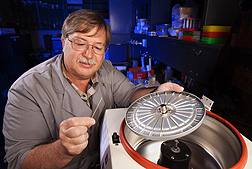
(170, 86)
(89, 121)
(177, 88)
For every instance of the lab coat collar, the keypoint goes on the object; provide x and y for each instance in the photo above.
(72, 103)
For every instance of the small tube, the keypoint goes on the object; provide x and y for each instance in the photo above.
(142, 61)
(150, 62)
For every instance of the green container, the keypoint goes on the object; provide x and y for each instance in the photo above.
(213, 40)
(191, 33)
(188, 33)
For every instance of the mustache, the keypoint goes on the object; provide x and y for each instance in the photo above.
(86, 61)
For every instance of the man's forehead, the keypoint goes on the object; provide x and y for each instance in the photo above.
(94, 33)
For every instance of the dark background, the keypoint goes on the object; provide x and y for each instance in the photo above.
(223, 72)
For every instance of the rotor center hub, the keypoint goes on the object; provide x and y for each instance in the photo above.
(165, 109)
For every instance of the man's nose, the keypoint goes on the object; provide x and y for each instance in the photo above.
(89, 52)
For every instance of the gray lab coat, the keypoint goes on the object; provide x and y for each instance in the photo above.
(42, 98)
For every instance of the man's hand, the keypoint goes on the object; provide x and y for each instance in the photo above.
(163, 87)
(170, 86)
(73, 134)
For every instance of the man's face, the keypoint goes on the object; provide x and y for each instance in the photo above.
(81, 65)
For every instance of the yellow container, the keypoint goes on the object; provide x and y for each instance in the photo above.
(216, 28)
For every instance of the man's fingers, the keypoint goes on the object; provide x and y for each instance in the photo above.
(170, 86)
(75, 140)
(77, 121)
(177, 88)
(73, 134)
(75, 131)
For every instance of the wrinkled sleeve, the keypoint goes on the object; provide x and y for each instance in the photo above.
(24, 126)
(122, 87)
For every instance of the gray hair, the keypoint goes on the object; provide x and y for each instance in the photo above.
(84, 20)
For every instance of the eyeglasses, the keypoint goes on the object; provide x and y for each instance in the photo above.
(82, 45)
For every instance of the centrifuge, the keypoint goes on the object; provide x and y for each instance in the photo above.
(171, 130)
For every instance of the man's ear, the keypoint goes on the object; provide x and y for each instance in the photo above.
(63, 43)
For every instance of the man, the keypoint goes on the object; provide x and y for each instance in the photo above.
(48, 117)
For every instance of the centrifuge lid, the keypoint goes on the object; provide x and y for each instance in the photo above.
(165, 114)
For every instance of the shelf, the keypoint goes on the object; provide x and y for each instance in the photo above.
(50, 14)
(34, 15)
(101, 6)
(194, 59)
